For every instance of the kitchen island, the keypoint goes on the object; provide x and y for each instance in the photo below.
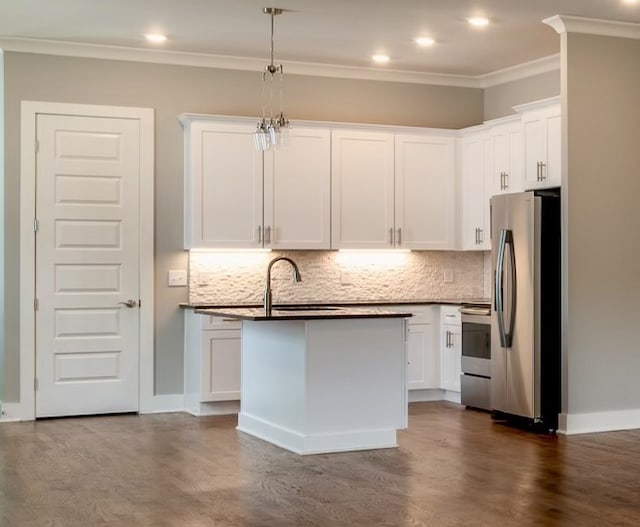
(323, 379)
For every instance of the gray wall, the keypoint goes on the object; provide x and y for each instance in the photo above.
(172, 90)
(500, 100)
(602, 223)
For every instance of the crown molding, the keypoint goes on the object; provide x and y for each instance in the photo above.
(591, 26)
(520, 71)
(204, 60)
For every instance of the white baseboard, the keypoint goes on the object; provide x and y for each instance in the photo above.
(215, 408)
(165, 404)
(436, 394)
(423, 396)
(300, 443)
(570, 424)
(10, 412)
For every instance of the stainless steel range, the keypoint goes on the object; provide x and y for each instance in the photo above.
(475, 381)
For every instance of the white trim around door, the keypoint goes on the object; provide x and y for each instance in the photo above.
(29, 111)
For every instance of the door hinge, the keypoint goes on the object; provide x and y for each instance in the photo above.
(36, 225)
(37, 146)
(35, 384)
(36, 304)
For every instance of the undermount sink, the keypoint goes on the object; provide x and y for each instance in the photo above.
(305, 308)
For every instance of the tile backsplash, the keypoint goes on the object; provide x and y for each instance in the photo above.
(332, 276)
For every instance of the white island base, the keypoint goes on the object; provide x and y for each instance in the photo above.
(329, 385)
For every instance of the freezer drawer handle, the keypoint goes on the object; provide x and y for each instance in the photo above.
(506, 238)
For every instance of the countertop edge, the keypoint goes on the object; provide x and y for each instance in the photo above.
(339, 314)
(353, 303)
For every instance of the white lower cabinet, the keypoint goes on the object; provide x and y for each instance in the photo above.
(212, 363)
(423, 357)
(450, 347)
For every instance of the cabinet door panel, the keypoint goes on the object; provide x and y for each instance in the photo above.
(477, 171)
(424, 362)
(224, 186)
(424, 192)
(451, 357)
(362, 189)
(220, 374)
(297, 191)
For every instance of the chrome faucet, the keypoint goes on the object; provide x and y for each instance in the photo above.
(267, 290)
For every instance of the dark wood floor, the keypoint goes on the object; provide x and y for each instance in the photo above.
(454, 467)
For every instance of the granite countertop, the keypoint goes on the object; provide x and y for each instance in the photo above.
(289, 312)
(345, 303)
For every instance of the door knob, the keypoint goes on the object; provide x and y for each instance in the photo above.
(129, 303)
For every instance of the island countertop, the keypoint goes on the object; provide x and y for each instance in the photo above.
(314, 312)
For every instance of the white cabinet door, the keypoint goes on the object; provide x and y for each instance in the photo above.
(362, 205)
(450, 347)
(477, 170)
(542, 147)
(508, 160)
(451, 357)
(223, 186)
(297, 200)
(424, 192)
(423, 370)
(220, 366)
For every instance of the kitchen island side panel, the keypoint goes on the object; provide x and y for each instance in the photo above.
(273, 372)
(356, 375)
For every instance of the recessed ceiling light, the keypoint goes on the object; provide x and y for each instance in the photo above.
(630, 1)
(425, 42)
(156, 38)
(380, 59)
(478, 21)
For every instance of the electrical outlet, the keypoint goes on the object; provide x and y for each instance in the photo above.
(448, 276)
(177, 278)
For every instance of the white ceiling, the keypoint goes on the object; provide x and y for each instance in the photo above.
(341, 33)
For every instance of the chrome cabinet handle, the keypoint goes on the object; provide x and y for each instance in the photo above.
(267, 235)
(391, 236)
(399, 239)
(476, 235)
(542, 171)
(129, 303)
(259, 234)
(504, 185)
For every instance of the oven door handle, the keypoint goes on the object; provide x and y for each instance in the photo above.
(506, 337)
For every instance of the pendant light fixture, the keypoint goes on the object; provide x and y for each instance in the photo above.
(272, 130)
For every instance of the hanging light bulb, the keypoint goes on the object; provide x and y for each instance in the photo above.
(272, 131)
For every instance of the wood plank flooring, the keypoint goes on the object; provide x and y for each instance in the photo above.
(454, 467)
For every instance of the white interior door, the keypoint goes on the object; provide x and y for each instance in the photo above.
(87, 265)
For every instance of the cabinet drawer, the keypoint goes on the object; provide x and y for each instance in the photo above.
(450, 315)
(422, 314)
(218, 323)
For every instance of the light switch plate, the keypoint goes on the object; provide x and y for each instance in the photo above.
(177, 278)
(448, 276)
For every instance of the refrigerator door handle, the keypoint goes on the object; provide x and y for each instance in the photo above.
(506, 238)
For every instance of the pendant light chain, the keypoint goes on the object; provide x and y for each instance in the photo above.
(272, 132)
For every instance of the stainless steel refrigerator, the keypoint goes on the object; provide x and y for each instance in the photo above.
(525, 316)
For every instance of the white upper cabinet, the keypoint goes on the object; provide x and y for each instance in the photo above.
(223, 186)
(508, 162)
(477, 186)
(392, 190)
(424, 192)
(541, 123)
(238, 197)
(297, 196)
(362, 201)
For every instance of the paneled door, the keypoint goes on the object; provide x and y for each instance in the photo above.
(87, 265)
